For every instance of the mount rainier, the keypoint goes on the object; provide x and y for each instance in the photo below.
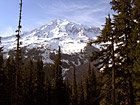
(43, 42)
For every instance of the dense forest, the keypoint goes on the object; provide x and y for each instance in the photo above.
(116, 82)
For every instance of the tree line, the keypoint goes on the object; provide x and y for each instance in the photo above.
(36, 87)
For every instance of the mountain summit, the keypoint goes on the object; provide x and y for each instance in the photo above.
(44, 41)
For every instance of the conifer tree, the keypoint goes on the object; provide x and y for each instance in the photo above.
(80, 93)
(3, 82)
(123, 32)
(48, 90)
(18, 56)
(92, 86)
(67, 91)
(85, 87)
(40, 82)
(9, 71)
(58, 80)
(124, 23)
(29, 82)
(106, 55)
(1, 65)
(136, 76)
(74, 88)
(1, 47)
(22, 85)
(30, 68)
(136, 50)
(59, 92)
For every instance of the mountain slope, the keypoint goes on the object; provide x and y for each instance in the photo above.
(43, 42)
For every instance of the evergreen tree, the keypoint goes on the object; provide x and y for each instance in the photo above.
(122, 59)
(29, 82)
(30, 88)
(136, 76)
(48, 90)
(39, 83)
(1, 47)
(124, 23)
(136, 50)
(80, 93)
(59, 92)
(106, 57)
(85, 87)
(92, 84)
(22, 87)
(74, 88)
(1, 65)
(1, 70)
(18, 57)
(4, 89)
(67, 91)
(58, 80)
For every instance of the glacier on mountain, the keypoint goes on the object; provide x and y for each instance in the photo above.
(71, 37)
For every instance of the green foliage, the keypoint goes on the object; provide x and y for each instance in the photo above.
(80, 93)
(58, 71)
(1, 71)
(123, 33)
(60, 93)
(74, 88)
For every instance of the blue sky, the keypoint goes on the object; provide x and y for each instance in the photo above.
(39, 12)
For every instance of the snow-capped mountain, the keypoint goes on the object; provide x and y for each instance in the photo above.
(44, 41)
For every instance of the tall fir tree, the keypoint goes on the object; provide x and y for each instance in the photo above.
(106, 56)
(39, 94)
(30, 88)
(1, 65)
(59, 92)
(29, 82)
(92, 86)
(48, 90)
(74, 88)
(58, 80)
(18, 56)
(136, 50)
(4, 89)
(124, 22)
(80, 93)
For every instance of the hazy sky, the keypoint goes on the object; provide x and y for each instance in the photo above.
(39, 12)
